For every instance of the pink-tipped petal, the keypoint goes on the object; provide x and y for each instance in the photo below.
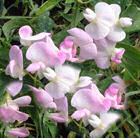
(82, 37)
(45, 53)
(79, 114)
(42, 96)
(7, 114)
(34, 67)
(22, 101)
(25, 31)
(92, 102)
(18, 132)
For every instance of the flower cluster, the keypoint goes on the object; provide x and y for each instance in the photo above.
(96, 43)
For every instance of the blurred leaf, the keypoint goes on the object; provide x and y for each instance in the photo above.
(13, 24)
(71, 135)
(133, 12)
(45, 23)
(48, 5)
(132, 93)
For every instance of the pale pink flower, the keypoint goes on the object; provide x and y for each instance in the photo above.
(9, 111)
(18, 132)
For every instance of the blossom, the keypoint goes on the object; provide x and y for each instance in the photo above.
(68, 47)
(64, 79)
(83, 40)
(61, 115)
(18, 132)
(116, 32)
(103, 123)
(44, 54)
(15, 66)
(114, 93)
(43, 98)
(15, 70)
(107, 52)
(9, 111)
(89, 101)
(26, 37)
(100, 21)
(14, 87)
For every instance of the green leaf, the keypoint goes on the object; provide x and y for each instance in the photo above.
(48, 5)
(133, 12)
(9, 26)
(45, 23)
(131, 56)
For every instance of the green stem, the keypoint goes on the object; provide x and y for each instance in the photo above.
(41, 124)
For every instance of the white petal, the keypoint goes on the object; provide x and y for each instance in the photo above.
(97, 30)
(109, 118)
(97, 133)
(116, 34)
(67, 75)
(125, 22)
(89, 14)
(56, 90)
(117, 10)
(105, 13)
(84, 81)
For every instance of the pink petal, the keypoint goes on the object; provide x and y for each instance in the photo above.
(23, 101)
(79, 114)
(34, 67)
(18, 132)
(88, 51)
(62, 106)
(57, 117)
(7, 114)
(25, 31)
(14, 88)
(92, 101)
(43, 97)
(42, 52)
(81, 37)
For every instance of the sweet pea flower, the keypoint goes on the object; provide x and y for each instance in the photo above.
(15, 66)
(89, 101)
(43, 98)
(26, 37)
(42, 55)
(62, 111)
(100, 21)
(107, 52)
(64, 79)
(103, 123)
(14, 87)
(15, 70)
(9, 111)
(18, 132)
(114, 93)
(82, 40)
(68, 47)
(116, 33)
